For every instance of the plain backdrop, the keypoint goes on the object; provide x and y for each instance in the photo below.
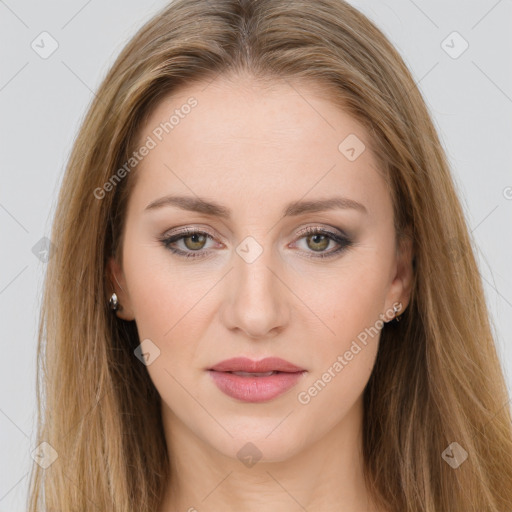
(459, 53)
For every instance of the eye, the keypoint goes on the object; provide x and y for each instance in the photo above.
(193, 240)
(317, 239)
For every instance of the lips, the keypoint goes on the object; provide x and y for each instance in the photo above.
(255, 381)
(243, 364)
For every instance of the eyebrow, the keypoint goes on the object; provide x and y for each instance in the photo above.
(295, 208)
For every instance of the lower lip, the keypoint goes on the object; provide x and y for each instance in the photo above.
(255, 389)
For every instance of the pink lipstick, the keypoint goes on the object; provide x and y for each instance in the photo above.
(255, 381)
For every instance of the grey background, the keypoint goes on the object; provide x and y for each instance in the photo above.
(44, 100)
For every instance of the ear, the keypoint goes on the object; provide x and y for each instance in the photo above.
(118, 285)
(401, 286)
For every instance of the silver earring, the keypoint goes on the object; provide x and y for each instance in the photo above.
(396, 309)
(114, 303)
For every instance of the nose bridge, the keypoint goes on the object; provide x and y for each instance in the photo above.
(255, 276)
(256, 305)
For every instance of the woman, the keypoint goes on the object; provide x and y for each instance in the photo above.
(264, 294)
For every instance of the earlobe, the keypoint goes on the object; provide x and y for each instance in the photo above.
(405, 269)
(401, 286)
(119, 300)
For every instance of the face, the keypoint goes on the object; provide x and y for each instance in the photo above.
(263, 272)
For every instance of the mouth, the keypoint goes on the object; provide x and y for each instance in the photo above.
(255, 381)
(246, 365)
(254, 374)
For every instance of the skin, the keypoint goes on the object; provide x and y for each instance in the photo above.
(254, 149)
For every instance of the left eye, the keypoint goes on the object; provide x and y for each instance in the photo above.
(318, 240)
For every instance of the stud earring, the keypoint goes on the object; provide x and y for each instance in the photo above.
(114, 302)
(396, 309)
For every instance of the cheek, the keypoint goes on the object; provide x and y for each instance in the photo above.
(163, 296)
(345, 355)
(343, 359)
(351, 302)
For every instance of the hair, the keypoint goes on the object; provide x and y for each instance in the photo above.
(437, 377)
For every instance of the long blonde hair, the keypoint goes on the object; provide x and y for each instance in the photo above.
(437, 378)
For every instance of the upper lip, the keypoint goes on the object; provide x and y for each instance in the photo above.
(243, 364)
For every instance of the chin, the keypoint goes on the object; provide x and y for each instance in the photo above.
(257, 440)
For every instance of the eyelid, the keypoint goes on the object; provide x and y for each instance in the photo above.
(186, 230)
(335, 232)
(189, 230)
(336, 235)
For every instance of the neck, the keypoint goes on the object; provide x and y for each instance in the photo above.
(324, 474)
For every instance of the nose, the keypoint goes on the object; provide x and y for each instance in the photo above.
(256, 299)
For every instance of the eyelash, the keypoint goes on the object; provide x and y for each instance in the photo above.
(343, 241)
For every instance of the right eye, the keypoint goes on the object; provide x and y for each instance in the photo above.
(193, 240)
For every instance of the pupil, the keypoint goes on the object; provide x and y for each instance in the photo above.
(193, 240)
(319, 239)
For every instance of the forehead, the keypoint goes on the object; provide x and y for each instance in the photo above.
(242, 138)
